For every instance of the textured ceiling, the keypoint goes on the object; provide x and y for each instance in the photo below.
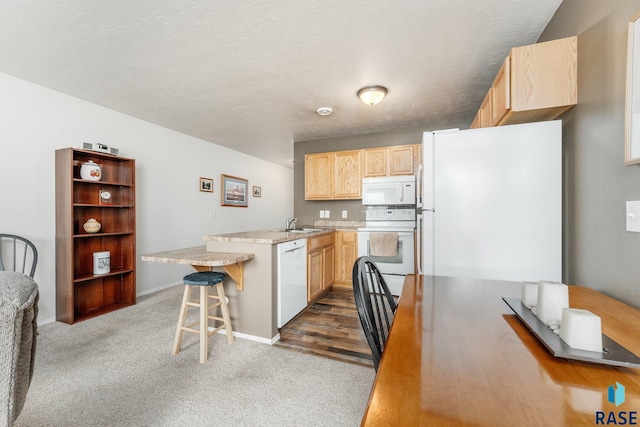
(250, 74)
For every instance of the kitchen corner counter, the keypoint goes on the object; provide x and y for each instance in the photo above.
(254, 312)
(269, 237)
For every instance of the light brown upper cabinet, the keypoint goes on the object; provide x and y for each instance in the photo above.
(389, 161)
(375, 161)
(401, 160)
(338, 175)
(317, 170)
(347, 175)
(332, 176)
(536, 82)
(485, 112)
(501, 94)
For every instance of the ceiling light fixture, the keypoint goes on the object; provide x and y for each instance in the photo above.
(372, 94)
(324, 111)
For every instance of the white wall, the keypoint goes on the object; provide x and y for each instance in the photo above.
(171, 211)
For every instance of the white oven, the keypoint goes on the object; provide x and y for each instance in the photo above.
(389, 191)
(398, 227)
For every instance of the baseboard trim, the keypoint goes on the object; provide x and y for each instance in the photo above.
(158, 289)
(255, 338)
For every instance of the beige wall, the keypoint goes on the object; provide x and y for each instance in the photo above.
(599, 253)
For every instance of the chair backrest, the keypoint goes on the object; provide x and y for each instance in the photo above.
(17, 254)
(375, 303)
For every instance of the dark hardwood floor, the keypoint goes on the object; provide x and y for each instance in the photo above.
(330, 328)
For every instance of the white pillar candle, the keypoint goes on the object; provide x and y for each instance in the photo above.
(529, 294)
(552, 298)
(581, 329)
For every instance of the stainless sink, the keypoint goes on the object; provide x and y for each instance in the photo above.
(301, 230)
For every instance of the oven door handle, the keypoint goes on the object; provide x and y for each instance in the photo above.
(400, 233)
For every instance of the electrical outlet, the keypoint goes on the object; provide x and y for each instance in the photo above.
(212, 214)
(344, 214)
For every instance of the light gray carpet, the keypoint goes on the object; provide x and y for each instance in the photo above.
(118, 370)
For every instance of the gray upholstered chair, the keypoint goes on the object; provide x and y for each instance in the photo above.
(18, 330)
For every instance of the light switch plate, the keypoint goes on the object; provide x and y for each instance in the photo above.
(327, 214)
(321, 214)
(344, 214)
(633, 216)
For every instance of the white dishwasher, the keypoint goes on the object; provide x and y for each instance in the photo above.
(292, 279)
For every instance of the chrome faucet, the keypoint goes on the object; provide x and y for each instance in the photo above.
(290, 224)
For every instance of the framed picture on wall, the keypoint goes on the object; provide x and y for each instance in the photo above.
(206, 185)
(257, 191)
(632, 103)
(234, 191)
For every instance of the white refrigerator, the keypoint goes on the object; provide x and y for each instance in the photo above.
(491, 203)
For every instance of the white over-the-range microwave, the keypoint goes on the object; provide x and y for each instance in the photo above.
(389, 191)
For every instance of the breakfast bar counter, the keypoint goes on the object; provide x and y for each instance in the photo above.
(203, 260)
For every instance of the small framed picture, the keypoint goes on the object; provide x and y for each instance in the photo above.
(105, 197)
(234, 191)
(206, 185)
(257, 191)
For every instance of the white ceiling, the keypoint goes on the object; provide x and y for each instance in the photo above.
(250, 74)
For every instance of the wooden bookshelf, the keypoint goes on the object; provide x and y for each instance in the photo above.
(80, 294)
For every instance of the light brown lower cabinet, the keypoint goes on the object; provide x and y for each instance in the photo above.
(314, 274)
(347, 253)
(328, 273)
(320, 265)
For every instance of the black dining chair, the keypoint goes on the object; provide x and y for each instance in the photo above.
(17, 254)
(375, 304)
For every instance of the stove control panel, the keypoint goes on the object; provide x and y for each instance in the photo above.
(384, 214)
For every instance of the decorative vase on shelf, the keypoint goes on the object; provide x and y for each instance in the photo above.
(90, 171)
(92, 226)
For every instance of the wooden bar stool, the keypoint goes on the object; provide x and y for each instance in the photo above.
(205, 280)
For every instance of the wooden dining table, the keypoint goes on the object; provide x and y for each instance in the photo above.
(458, 355)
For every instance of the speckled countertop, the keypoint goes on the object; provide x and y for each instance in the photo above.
(197, 255)
(270, 237)
(275, 236)
(338, 225)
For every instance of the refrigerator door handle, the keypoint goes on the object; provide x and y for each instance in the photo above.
(419, 187)
(419, 245)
